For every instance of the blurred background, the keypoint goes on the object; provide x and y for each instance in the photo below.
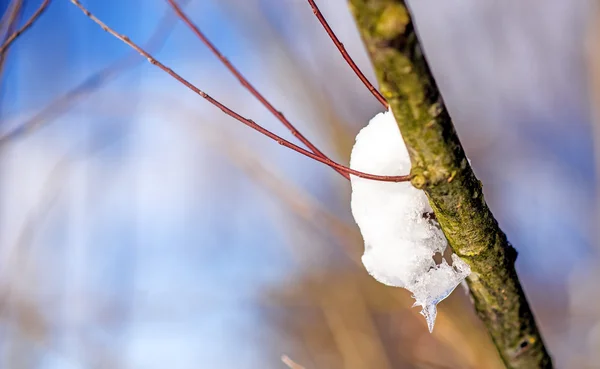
(142, 228)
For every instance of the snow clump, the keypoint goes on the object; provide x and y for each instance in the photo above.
(400, 236)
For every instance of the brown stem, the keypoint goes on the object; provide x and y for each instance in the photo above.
(10, 18)
(345, 55)
(231, 113)
(279, 115)
(9, 41)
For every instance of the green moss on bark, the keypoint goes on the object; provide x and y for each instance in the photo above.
(440, 168)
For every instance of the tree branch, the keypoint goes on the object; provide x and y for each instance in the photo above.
(9, 41)
(8, 24)
(441, 169)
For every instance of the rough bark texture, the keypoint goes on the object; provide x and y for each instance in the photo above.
(440, 168)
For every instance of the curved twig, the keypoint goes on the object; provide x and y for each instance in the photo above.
(11, 39)
(345, 55)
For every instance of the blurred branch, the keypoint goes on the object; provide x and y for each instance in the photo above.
(297, 200)
(31, 321)
(441, 169)
(13, 37)
(18, 252)
(365, 350)
(8, 24)
(290, 363)
(92, 83)
(593, 59)
(8, 19)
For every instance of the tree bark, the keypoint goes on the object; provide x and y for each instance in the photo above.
(441, 169)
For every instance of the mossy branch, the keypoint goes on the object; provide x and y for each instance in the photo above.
(441, 169)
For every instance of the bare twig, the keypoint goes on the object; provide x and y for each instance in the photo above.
(345, 55)
(11, 39)
(279, 115)
(248, 122)
(10, 18)
(8, 24)
(61, 104)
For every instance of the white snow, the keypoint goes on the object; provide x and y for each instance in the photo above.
(400, 241)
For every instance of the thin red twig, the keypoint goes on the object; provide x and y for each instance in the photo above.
(24, 28)
(231, 113)
(279, 115)
(345, 55)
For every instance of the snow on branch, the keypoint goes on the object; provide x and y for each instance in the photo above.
(401, 240)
